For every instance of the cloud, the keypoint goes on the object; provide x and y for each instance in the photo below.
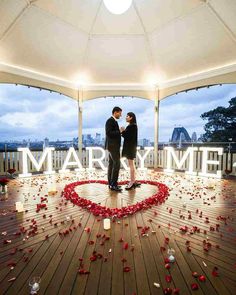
(185, 109)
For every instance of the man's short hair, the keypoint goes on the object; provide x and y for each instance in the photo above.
(116, 109)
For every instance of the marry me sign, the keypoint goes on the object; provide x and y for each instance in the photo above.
(72, 160)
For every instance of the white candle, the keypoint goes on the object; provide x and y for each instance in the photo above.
(52, 191)
(107, 223)
(19, 207)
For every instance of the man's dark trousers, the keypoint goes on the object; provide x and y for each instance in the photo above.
(113, 167)
(112, 144)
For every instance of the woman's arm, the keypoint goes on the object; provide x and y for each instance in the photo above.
(129, 132)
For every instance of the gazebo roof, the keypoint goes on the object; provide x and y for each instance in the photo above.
(173, 43)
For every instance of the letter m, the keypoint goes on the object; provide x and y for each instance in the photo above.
(179, 162)
(26, 153)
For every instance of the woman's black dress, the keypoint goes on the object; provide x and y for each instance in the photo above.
(130, 135)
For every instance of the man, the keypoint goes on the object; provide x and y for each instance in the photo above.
(112, 144)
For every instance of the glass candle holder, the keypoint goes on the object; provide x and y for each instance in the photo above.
(34, 284)
(68, 218)
(171, 253)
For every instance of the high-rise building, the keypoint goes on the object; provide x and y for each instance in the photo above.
(194, 137)
(45, 143)
(75, 141)
(28, 143)
(144, 142)
(97, 138)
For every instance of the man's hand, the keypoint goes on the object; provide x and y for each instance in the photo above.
(122, 129)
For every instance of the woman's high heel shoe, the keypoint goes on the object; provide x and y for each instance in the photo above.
(137, 184)
(129, 187)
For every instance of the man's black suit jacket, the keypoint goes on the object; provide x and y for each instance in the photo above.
(113, 136)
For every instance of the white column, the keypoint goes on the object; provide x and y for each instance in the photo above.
(156, 127)
(80, 122)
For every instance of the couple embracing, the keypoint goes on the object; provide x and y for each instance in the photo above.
(113, 144)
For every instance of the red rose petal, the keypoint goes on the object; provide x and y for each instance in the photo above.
(167, 240)
(167, 291)
(188, 249)
(11, 263)
(215, 272)
(125, 246)
(126, 269)
(167, 260)
(168, 278)
(194, 286)
(93, 258)
(202, 278)
(83, 272)
(167, 266)
(176, 291)
(183, 229)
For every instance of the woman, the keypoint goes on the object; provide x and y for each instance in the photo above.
(130, 135)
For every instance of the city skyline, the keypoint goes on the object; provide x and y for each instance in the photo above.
(179, 136)
(55, 116)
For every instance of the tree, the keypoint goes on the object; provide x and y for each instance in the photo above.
(221, 125)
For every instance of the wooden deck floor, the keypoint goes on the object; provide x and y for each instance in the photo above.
(208, 213)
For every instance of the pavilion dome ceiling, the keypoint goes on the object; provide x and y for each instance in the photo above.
(154, 39)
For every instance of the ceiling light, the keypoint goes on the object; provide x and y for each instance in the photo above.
(117, 6)
(81, 79)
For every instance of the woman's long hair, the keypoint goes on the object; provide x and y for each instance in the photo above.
(132, 115)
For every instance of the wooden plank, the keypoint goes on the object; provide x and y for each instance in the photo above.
(129, 278)
(206, 287)
(157, 241)
(105, 280)
(23, 275)
(139, 262)
(59, 265)
(150, 264)
(218, 282)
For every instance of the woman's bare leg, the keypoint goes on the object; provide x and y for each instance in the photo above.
(132, 171)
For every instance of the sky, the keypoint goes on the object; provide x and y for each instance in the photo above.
(28, 113)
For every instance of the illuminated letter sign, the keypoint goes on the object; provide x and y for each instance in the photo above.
(179, 163)
(47, 152)
(190, 151)
(206, 162)
(67, 162)
(142, 158)
(94, 160)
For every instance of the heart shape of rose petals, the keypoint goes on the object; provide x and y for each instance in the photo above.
(69, 193)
